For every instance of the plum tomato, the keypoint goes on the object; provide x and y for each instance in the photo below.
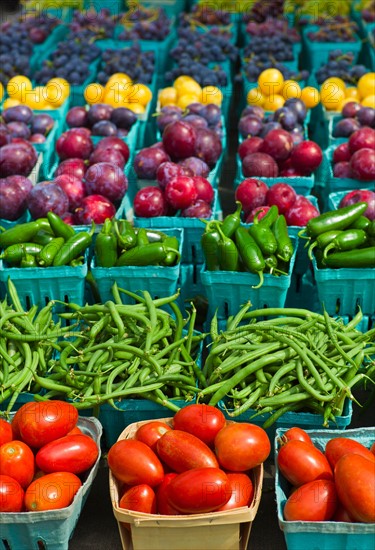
(140, 498)
(151, 432)
(52, 492)
(17, 461)
(6, 433)
(340, 446)
(71, 453)
(135, 463)
(240, 447)
(242, 491)
(297, 433)
(183, 451)
(301, 462)
(203, 421)
(162, 504)
(313, 501)
(11, 495)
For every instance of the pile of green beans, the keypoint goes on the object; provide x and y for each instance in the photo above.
(28, 341)
(281, 360)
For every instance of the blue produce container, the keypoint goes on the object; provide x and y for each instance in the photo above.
(190, 283)
(173, 7)
(115, 7)
(53, 528)
(325, 535)
(227, 291)
(318, 52)
(158, 280)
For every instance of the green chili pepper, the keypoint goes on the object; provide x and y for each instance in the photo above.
(28, 261)
(126, 236)
(337, 219)
(284, 244)
(361, 223)
(77, 261)
(142, 239)
(263, 236)
(14, 253)
(323, 240)
(371, 229)
(59, 227)
(347, 240)
(232, 221)
(49, 251)
(43, 237)
(155, 236)
(227, 252)
(360, 257)
(271, 261)
(73, 247)
(18, 234)
(145, 255)
(269, 218)
(171, 257)
(210, 246)
(106, 246)
(250, 253)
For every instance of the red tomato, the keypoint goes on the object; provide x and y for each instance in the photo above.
(203, 421)
(140, 498)
(52, 492)
(340, 446)
(372, 448)
(342, 515)
(6, 433)
(242, 492)
(355, 484)
(240, 447)
(76, 431)
(182, 451)
(297, 433)
(199, 490)
(162, 504)
(135, 463)
(21, 411)
(17, 461)
(11, 495)
(72, 453)
(150, 433)
(300, 462)
(313, 501)
(42, 422)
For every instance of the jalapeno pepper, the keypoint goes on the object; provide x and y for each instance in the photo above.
(271, 261)
(59, 227)
(346, 240)
(43, 237)
(285, 248)
(28, 261)
(77, 261)
(49, 251)
(323, 240)
(210, 246)
(232, 221)
(14, 253)
(371, 229)
(155, 236)
(126, 236)
(360, 257)
(338, 219)
(361, 223)
(18, 234)
(250, 254)
(269, 218)
(227, 252)
(142, 239)
(145, 255)
(264, 238)
(171, 257)
(106, 246)
(73, 247)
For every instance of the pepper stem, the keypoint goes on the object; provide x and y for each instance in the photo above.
(261, 280)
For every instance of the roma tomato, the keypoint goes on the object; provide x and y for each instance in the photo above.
(72, 453)
(340, 446)
(162, 504)
(297, 433)
(42, 422)
(17, 461)
(150, 433)
(242, 492)
(240, 447)
(355, 484)
(52, 492)
(6, 433)
(134, 463)
(300, 462)
(203, 421)
(372, 448)
(11, 495)
(182, 451)
(21, 411)
(200, 490)
(140, 498)
(75, 431)
(313, 501)
(341, 515)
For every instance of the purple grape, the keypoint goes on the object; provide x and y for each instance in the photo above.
(104, 128)
(346, 127)
(123, 118)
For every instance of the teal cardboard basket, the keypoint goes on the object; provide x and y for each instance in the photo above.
(318, 52)
(51, 529)
(190, 282)
(334, 141)
(115, 7)
(325, 535)
(345, 290)
(57, 34)
(227, 291)
(173, 7)
(159, 281)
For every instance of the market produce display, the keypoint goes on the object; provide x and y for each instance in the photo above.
(187, 224)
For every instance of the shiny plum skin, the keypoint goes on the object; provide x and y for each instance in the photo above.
(107, 155)
(179, 140)
(251, 193)
(149, 202)
(73, 167)
(106, 179)
(74, 189)
(362, 164)
(74, 144)
(46, 196)
(249, 146)
(199, 209)
(259, 165)
(94, 208)
(147, 161)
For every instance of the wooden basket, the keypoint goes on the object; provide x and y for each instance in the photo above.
(228, 530)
